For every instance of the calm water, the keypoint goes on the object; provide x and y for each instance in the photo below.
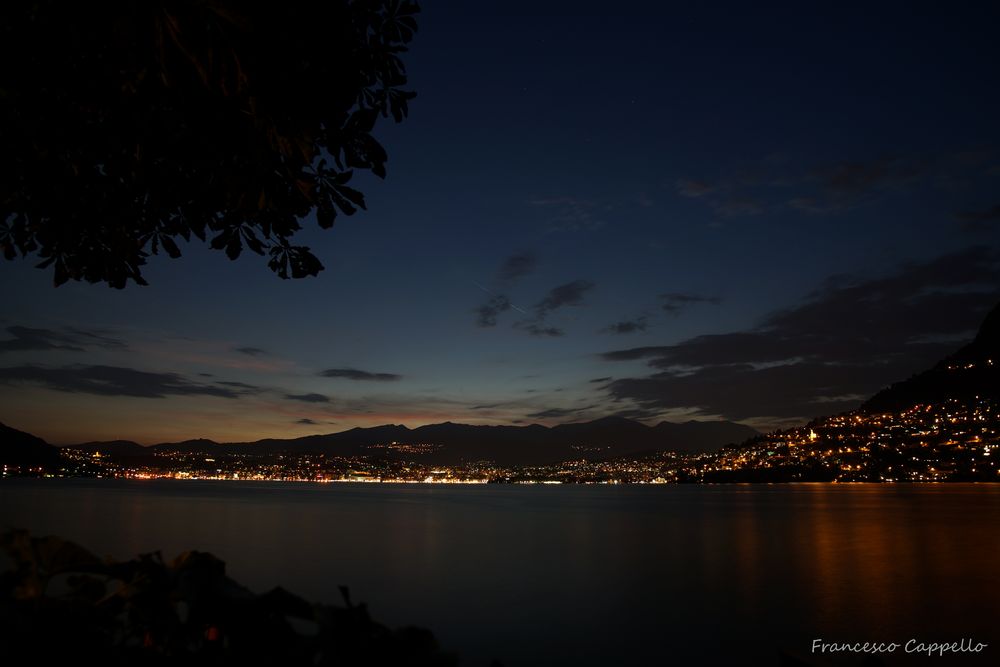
(563, 575)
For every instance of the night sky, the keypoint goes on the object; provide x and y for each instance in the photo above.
(653, 210)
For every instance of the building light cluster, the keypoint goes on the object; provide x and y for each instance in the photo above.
(953, 440)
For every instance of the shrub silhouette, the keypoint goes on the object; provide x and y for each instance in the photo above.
(61, 603)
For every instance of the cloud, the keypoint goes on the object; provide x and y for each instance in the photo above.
(305, 421)
(629, 326)
(774, 182)
(97, 338)
(571, 214)
(248, 388)
(558, 413)
(633, 353)
(118, 381)
(538, 329)
(570, 294)
(250, 351)
(69, 339)
(725, 198)
(849, 338)
(843, 185)
(729, 196)
(597, 380)
(738, 206)
(675, 302)
(486, 314)
(811, 205)
(693, 188)
(308, 398)
(517, 266)
(354, 374)
(858, 178)
(642, 414)
(36, 339)
(981, 220)
(513, 268)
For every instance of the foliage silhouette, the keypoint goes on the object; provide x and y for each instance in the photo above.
(128, 126)
(61, 603)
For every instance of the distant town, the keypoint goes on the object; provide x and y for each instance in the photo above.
(950, 441)
(942, 425)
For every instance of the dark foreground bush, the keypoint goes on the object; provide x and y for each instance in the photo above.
(61, 603)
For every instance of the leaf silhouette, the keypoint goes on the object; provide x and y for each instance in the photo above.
(231, 121)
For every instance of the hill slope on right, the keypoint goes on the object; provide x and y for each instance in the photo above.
(939, 425)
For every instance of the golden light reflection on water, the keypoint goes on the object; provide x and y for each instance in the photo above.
(891, 562)
(560, 574)
(748, 536)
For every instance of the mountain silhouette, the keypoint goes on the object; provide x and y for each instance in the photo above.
(114, 448)
(970, 373)
(449, 443)
(973, 371)
(20, 449)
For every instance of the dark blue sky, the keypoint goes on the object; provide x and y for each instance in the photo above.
(654, 209)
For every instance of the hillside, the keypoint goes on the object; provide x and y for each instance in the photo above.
(23, 450)
(972, 371)
(940, 425)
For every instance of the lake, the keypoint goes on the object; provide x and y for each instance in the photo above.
(582, 575)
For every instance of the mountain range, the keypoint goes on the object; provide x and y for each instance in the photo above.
(449, 443)
(974, 370)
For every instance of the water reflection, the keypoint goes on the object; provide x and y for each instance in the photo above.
(581, 575)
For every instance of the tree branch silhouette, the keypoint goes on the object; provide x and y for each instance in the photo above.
(129, 126)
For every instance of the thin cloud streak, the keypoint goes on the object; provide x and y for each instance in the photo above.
(118, 381)
(359, 376)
